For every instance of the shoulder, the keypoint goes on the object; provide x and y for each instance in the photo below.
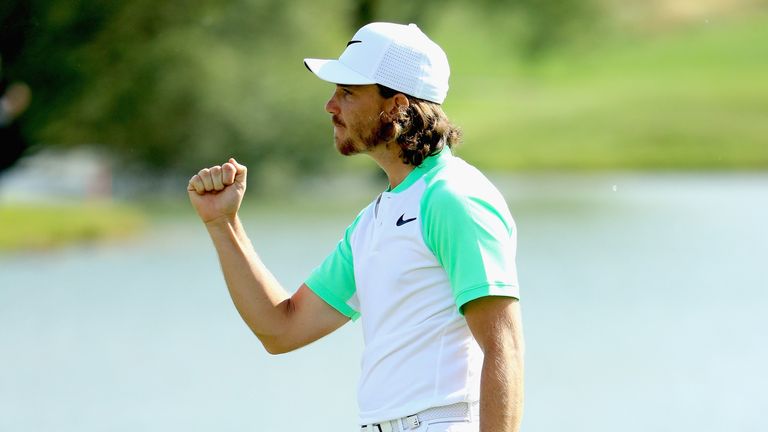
(365, 213)
(459, 178)
(459, 190)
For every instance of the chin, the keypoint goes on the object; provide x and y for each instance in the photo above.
(346, 147)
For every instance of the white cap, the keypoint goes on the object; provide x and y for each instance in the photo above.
(397, 56)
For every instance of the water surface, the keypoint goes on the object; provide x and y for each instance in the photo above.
(644, 301)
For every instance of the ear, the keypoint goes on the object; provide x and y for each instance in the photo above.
(396, 104)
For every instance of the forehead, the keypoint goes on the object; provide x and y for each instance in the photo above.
(360, 88)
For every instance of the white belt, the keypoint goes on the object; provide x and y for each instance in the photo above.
(457, 411)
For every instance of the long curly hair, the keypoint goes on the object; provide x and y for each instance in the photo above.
(421, 130)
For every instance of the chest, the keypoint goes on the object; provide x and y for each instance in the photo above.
(390, 235)
(394, 268)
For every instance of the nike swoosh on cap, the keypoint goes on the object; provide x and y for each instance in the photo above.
(353, 42)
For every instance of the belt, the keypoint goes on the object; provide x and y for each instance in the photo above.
(458, 411)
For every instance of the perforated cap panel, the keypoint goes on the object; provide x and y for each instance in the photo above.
(400, 69)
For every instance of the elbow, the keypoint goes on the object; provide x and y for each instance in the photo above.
(277, 338)
(273, 342)
(274, 350)
(273, 345)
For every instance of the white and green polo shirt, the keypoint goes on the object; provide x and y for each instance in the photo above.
(407, 265)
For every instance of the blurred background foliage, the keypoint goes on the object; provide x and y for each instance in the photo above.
(536, 84)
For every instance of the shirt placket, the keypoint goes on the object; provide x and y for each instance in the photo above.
(381, 218)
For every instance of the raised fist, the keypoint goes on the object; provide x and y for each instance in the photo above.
(217, 192)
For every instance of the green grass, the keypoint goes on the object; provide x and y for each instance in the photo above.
(690, 98)
(42, 226)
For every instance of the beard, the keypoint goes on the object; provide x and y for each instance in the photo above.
(367, 139)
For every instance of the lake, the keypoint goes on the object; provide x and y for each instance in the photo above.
(644, 300)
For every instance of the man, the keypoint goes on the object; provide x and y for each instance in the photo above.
(429, 264)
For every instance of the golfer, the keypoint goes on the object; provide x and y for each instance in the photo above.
(428, 266)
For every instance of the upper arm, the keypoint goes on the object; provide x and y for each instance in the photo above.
(472, 234)
(495, 323)
(322, 304)
(309, 319)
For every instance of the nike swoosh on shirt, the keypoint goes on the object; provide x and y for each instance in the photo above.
(403, 222)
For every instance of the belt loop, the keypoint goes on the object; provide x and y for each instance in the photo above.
(412, 421)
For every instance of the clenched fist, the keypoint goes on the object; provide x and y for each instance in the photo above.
(217, 192)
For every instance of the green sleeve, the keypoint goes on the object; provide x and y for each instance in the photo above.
(473, 238)
(334, 279)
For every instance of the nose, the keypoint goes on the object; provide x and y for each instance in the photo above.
(331, 106)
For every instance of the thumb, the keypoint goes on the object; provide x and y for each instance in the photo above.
(240, 170)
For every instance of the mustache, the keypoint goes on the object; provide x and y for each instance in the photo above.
(337, 121)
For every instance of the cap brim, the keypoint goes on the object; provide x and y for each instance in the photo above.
(336, 72)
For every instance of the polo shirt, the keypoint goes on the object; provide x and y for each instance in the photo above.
(407, 265)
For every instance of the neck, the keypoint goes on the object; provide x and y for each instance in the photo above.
(388, 158)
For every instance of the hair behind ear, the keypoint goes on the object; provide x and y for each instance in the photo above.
(421, 128)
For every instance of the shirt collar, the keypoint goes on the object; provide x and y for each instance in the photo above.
(430, 162)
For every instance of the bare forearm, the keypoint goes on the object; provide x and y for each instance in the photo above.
(261, 301)
(501, 391)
